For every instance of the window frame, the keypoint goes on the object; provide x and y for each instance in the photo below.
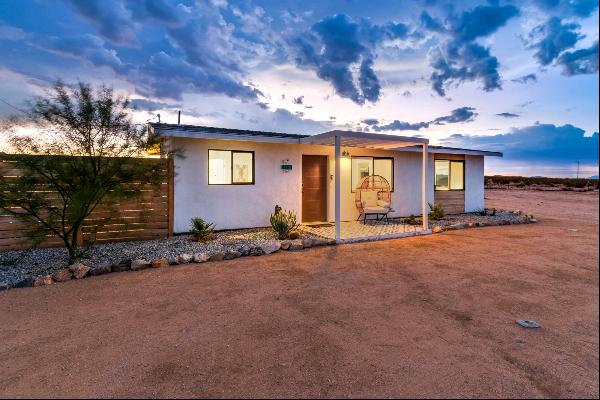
(450, 161)
(231, 152)
(353, 189)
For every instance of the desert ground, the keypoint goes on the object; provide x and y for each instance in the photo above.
(428, 316)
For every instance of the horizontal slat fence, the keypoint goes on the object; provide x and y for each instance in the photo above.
(147, 216)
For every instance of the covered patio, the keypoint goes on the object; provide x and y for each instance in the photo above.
(345, 231)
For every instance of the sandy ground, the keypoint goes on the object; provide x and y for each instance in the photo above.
(420, 317)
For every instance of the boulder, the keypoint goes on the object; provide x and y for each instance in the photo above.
(173, 261)
(185, 258)
(218, 256)
(270, 246)
(296, 245)
(101, 269)
(43, 281)
(231, 254)
(307, 243)
(319, 242)
(532, 220)
(455, 227)
(256, 251)
(121, 266)
(63, 275)
(437, 229)
(4, 286)
(79, 270)
(244, 250)
(285, 244)
(201, 257)
(331, 242)
(140, 264)
(471, 224)
(159, 262)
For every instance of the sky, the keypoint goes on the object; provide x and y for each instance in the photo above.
(509, 76)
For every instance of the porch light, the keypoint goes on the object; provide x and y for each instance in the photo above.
(345, 154)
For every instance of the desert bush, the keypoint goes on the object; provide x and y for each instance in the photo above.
(284, 223)
(482, 212)
(201, 229)
(436, 211)
(412, 220)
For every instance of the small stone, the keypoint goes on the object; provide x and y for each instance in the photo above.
(331, 242)
(231, 254)
(528, 324)
(218, 256)
(307, 243)
(185, 258)
(285, 244)
(503, 222)
(80, 270)
(159, 262)
(437, 229)
(4, 286)
(101, 269)
(454, 227)
(533, 220)
(140, 264)
(173, 261)
(121, 266)
(256, 251)
(23, 283)
(319, 242)
(63, 275)
(520, 340)
(296, 245)
(43, 281)
(471, 224)
(201, 257)
(270, 247)
(244, 250)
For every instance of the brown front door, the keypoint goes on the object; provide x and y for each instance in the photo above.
(314, 188)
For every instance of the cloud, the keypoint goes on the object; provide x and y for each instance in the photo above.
(8, 32)
(546, 143)
(526, 78)
(508, 115)
(458, 115)
(579, 8)
(341, 51)
(149, 105)
(298, 100)
(583, 61)
(551, 38)
(370, 121)
(459, 58)
(111, 18)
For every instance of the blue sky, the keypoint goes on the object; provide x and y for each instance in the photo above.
(517, 77)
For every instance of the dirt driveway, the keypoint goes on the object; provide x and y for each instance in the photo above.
(420, 317)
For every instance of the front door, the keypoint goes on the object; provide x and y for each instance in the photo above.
(314, 188)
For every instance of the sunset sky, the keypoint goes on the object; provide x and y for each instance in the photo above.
(516, 77)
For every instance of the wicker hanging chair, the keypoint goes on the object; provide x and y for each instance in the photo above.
(373, 197)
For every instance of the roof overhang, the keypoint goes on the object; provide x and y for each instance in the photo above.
(364, 139)
(455, 150)
(233, 134)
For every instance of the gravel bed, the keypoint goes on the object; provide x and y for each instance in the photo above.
(501, 215)
(18, 265)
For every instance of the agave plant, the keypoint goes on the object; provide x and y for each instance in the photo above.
(284, 223)
(201, 229)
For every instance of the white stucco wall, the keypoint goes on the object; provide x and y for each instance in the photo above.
(246, 206)
(474, 183)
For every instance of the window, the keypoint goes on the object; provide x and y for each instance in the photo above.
(449, 175)
(366, 166)
(230, 167)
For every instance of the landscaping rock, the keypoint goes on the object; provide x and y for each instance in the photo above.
(307, 243)
(296, 245)
(256, 251)
(285, 244)
(63, 275)
(4, 286)
(532, 220)
(201, 257)
(437, 229)
(139, 264)
(231, 254)
(121, 266)
(79, 270)
(270, 247)
(471, 224)
(319, 242)
(244, 250)
(43, 281)
(331, 242)
(218, 256)
(173, 261)
(185, 258)
(101, 269)
(455, 227)
(528, 324)
(159, 262)
(23, 283)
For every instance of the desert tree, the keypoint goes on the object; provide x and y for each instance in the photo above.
(74, 148)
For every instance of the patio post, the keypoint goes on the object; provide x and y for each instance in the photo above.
(338, 169)
(424, 188)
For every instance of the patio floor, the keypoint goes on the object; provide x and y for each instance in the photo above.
(355, 231)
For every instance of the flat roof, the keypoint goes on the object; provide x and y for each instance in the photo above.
(348, 138)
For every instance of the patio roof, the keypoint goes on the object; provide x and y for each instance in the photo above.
(363, 139)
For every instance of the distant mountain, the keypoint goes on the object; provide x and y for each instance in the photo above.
(593, 177)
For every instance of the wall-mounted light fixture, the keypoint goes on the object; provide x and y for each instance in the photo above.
(346, 154)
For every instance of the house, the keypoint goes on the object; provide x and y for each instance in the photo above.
(235, 178)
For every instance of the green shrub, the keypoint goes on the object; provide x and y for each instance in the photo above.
(493, 213)
(436, 211)
(202, 229)
(412, 220)
(482, 212)
(284, 223)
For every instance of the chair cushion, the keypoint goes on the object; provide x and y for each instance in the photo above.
(376, 210)
(383, 203)
(368, 198)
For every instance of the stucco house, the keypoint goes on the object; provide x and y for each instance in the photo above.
(234, 177)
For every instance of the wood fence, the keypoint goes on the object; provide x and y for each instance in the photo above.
(149, 216)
